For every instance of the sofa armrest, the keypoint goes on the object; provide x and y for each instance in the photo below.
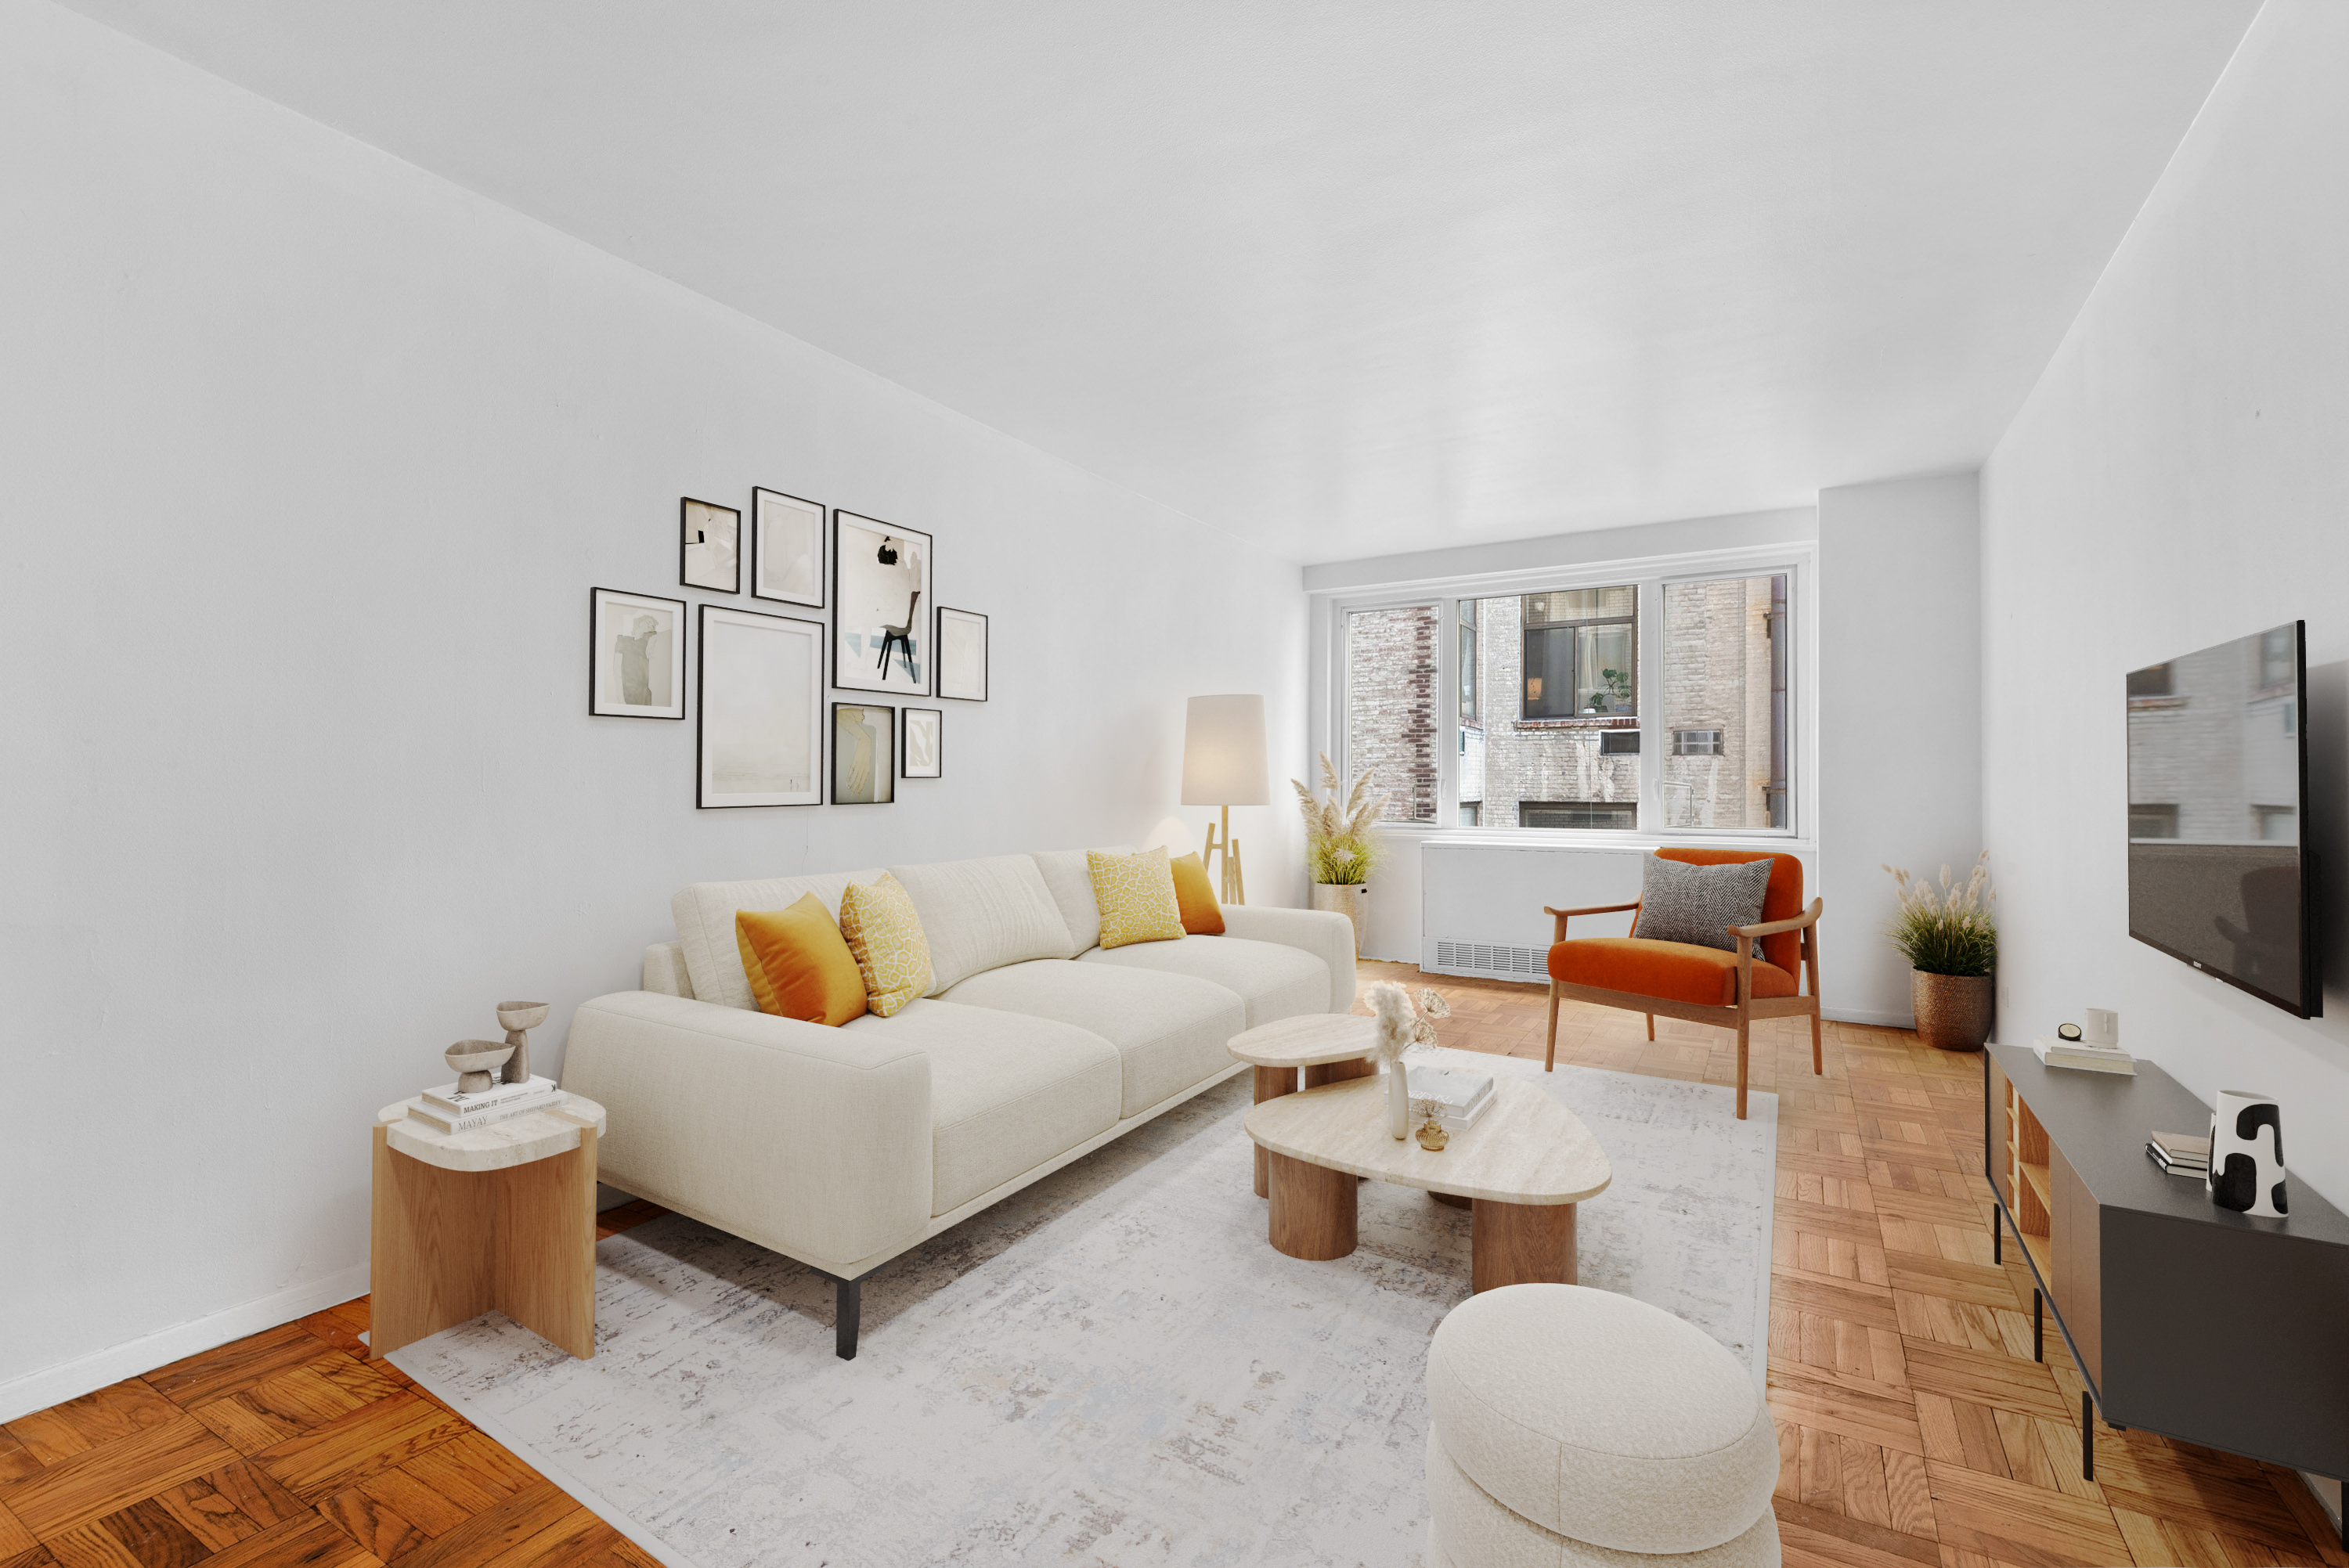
(665, 970)
(810, 1140)
(1325, 933)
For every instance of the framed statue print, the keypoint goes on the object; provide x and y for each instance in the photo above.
(962, 654)
(786, 549)
(761, 732)
(880, 606)
(864, 754)
(635, 655)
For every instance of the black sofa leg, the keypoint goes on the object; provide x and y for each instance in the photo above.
(848, 1299)
(2087, 1437)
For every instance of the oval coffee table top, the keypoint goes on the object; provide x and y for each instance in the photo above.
(1527, 1149)
(517, 1140)
(1307, 1040)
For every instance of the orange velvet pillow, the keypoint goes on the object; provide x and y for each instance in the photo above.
(1196, 897)
(799, 963)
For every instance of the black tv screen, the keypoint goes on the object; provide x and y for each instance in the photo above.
(2218, 778)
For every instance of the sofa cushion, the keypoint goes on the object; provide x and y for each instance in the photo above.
(1675, 971)
(982, 914)
(1008, 1092)
(1069, 876)
(1170, 1030)
(1276, 982)
(1136, 894)
(705, 926)
(1195, 896)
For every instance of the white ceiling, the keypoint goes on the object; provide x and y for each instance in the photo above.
(1343, 279)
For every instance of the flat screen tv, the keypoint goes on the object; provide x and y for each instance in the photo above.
(2219, 876)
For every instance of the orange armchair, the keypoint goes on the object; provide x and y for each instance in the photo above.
(1704, 985)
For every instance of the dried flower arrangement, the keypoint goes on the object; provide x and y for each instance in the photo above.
(1402, 1026)
(1340, 846)
(1948, 931)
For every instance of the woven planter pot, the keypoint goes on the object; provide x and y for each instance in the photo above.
(1952, 1010)
(1351, 900)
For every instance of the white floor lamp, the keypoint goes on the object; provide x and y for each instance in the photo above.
(1223, 765)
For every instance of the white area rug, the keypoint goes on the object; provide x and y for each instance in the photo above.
(1111, 1368)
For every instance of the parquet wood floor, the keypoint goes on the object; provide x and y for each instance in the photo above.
(1913, 1426)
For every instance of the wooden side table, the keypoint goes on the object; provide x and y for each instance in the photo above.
(1330, 1047)
(503, 1217)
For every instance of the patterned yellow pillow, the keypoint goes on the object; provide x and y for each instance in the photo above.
(885, 935)
(1136, 895)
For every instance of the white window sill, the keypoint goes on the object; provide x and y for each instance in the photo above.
(1598, 837)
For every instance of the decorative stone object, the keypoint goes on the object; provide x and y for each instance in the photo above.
(1953, 1011)
(473, 1060)
(519, 1019)
(2246, 1171)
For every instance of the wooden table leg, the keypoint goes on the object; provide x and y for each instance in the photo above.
(1452, 1199)
(1339, 1072)
(1521, 1243)
(1271, 1083)
(545, 1253)
(1313, 1209)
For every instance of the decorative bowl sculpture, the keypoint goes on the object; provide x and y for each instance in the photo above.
(519, 1018)
(473, 1060)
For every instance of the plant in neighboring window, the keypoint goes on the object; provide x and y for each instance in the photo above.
(1340, 846)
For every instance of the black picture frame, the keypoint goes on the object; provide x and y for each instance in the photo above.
(906, 727)
(602, 700)
(760, 499)
(708, 795)
(858, 608)
(688, 527)
(885, 751)
(986, 653)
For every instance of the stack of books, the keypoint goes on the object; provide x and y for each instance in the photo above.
(1465, 1097)
(2085, 1056)
(446, 1110)
(2178, 1154)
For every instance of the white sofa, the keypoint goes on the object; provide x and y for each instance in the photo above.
(843, 1147)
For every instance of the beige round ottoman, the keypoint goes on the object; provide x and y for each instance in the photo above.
(1574, 1425)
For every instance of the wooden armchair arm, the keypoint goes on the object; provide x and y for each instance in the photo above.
(1557, 926)
(1807, 918)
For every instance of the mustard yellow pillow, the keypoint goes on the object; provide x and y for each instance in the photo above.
(799, 963)
(1195, 896)
(1136, 895)
(885, 935)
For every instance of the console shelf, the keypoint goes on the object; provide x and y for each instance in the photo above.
(2185, 1319)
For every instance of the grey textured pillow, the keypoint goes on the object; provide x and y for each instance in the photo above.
(1698, 904)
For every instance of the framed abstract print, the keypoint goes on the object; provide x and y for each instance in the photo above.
(635, 655)
(761, 734)
(880, 606)
(786, 549)
(923, 751)
(864, 754)
(709, 539)
(962, 654)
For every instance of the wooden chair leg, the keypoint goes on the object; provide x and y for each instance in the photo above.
(1741, 1027)
(1651, 1028)
(1549, 1057)
(1818, 1068)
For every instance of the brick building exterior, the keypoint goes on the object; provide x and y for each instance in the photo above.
(1390, 678)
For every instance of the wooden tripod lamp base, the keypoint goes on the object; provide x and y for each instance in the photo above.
(1234, 890)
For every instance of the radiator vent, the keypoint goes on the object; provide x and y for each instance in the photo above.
(1500, 962)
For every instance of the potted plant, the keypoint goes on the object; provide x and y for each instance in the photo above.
(1340, 846)
(1952, 944)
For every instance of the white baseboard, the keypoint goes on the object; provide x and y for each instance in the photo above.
(1866, 1015)
(71, 1379)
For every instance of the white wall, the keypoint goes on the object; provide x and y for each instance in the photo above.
(311, 459)
(2179, 477)
(1900, 700)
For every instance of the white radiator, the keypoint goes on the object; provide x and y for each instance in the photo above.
(1481, 904)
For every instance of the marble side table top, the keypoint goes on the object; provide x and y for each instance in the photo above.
(1306, 1041)
(1527, 1149)
(517, 1140)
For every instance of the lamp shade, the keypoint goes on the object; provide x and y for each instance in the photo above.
(1222, 752)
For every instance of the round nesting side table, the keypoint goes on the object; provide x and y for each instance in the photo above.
(503, 1216)
(1330, 1047)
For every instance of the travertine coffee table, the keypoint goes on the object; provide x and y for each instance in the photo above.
(1525, 1165)
(1330, 1047)
(503, 1216)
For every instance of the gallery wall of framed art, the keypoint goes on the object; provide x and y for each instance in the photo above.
(761, 728)
(864, 754)
(635, 655)
(881, 586)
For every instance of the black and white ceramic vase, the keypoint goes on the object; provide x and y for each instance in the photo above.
(2247, 1154)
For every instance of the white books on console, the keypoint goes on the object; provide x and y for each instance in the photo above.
(506, 1109)
(1464, 1096)
(2087, 1058)
(446, 1100)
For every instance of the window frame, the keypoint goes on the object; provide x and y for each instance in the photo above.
(1798, 561)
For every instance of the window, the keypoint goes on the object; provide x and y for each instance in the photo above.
(1469, 812)
(1577, 814)
(1581, 653)
(2275, 824)
(2152, 821)
(2279, 659)
(1725, 690)
(2151, 680)
(1618, 743)
(1467, 661)
(1391, 690)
